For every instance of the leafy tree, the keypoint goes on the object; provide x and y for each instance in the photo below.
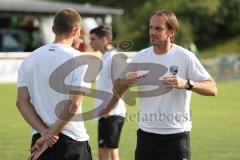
(202, 21)
(229, 17)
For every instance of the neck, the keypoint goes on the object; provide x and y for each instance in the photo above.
(102, 50)
(105, 49)
(63, 40)
(162, 49)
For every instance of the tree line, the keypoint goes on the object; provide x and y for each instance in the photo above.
(205, 22)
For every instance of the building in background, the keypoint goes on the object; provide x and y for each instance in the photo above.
(26, 25)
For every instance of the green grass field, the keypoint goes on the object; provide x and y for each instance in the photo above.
(215, 134)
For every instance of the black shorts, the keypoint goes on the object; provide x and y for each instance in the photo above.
(109, 131)
(65, 149)
(152, 146)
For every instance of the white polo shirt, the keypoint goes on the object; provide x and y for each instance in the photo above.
(35, 72)
(168, 113)
(104, 83)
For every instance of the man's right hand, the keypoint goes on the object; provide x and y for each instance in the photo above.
(42, 144)
(50, 138)
(40, 147)
(132, 77)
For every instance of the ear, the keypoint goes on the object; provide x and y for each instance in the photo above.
(105, 40)
(172, 33)
(76, 31)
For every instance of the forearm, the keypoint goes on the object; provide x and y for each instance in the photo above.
(119, 87)
(66, 115)
(31, 117)
(60, 123)
(110, 106)
(57, 127)
(206, 88)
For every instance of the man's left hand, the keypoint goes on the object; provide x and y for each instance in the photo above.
(175, 82)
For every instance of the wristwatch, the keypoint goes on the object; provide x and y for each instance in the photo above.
(190, 85)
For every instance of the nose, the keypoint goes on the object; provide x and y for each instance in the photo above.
(152, 31)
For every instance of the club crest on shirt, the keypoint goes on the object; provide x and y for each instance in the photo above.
(173, 70)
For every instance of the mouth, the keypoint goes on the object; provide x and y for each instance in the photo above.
(153, 38)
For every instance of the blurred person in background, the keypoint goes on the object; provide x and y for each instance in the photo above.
(109, 125)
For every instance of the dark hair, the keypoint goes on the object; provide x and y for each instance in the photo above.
(65, 20)
(172, 21)
(102, 31)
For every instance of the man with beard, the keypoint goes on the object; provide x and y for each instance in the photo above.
(164, 131)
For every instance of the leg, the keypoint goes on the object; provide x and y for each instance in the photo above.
(114, 154)
(108, 154)
(104, 154)
(109, 131)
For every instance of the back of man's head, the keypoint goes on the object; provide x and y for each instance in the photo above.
(102, 31)
(65, 20)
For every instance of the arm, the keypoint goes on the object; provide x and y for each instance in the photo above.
(67, 113)
(206, 88)
(43, 143)
(28, 112)
(119, 87)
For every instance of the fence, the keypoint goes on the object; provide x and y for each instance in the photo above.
(226, 67)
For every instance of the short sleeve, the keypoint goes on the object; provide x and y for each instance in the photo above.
(21, 81)
(195, 70)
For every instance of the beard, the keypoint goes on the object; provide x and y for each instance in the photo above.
(157, 42)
